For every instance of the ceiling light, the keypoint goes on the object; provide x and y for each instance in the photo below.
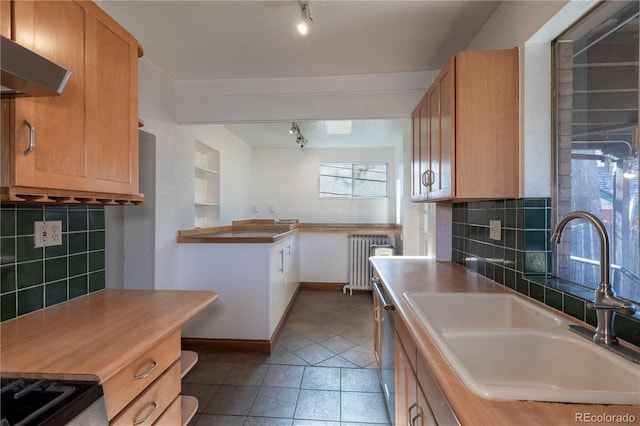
(305, 19)
(338, 127)
(300, 140)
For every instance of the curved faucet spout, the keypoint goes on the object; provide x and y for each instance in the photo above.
(602, 234)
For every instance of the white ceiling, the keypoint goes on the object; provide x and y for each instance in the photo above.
(364, 134)
(204, 40)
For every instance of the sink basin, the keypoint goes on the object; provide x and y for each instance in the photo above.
(479, 310)
(505, 347)
(542, 366)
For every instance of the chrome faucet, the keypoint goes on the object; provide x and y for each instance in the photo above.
(606, 303)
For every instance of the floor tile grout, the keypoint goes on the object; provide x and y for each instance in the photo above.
(341, 381)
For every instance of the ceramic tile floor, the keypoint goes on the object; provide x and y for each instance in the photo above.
(322, 371)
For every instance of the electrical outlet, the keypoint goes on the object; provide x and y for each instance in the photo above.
(40, 237)
(47, 234)
(495, 228)
(55, 233)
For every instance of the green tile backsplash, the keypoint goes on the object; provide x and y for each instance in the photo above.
(521, 259)
(33, 278)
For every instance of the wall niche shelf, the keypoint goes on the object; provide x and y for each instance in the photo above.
(206, 173)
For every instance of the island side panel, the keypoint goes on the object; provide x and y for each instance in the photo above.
(239, 274)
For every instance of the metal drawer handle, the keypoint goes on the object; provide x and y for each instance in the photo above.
(411, 407)
(415, 419)
(32, 137)
(148, 416)
(148, 372)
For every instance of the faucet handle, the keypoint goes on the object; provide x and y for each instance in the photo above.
(621, 307)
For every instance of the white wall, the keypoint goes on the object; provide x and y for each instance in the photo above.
(285, 185)
(174, 160)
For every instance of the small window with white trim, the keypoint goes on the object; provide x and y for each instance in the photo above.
(353, 180)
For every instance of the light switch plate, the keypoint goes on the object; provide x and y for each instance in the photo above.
(495, 230)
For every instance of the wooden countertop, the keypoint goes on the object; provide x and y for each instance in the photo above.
(400, 274)
(96, 334)
(265, 231)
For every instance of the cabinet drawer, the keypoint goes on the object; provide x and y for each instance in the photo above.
(123, 387)
(153, 401)
(172, 416)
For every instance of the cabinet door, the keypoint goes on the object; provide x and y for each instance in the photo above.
(487, 97)
(422, 414)
(425, 149)
(56, 31)
(406, 386)
(415, 153)
(5, 18)
(112, 104)
(377, 328)
(442, 134)
(277, 291)
(419, 150)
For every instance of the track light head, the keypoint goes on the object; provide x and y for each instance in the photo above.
(295, 129)
(305, 19)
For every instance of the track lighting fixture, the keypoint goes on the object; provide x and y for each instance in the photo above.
(305, 19)
(300, 140)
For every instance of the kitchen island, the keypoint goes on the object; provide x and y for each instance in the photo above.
(112, 335)
(255, 266)
(255, 270)
(418, 274)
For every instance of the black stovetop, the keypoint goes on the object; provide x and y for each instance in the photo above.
(44, 401)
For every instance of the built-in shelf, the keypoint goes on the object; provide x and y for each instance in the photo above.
(206, 175)
(189, 407)
(188, 360)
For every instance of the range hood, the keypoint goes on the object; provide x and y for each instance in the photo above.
(25, 73)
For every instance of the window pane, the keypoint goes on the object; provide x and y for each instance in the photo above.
(597, 152)
(352, 180)
(370, 180)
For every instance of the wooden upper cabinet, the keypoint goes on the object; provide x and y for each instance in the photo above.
(54, 30)
(5, 19)
(112, 105)
(86, 139)
(473, 128)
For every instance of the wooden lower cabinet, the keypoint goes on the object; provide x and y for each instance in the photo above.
(173, 415)
(147, 390)
(377, 328)
(153, 401)
(412, 407)
(419, 399)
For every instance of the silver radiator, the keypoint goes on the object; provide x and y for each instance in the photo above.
(359, 267)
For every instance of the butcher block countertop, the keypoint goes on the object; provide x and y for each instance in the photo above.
(96, 334)
(401, 274)
(270, 231)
